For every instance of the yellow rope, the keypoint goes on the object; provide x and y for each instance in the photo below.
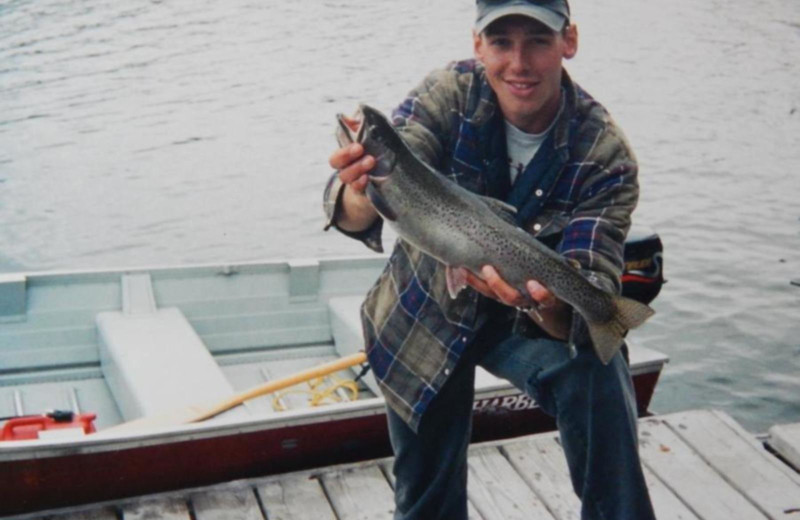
(319, 394)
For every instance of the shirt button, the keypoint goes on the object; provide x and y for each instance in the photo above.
(539, 193)
(537, 227)
(447, 371)
(464, 339)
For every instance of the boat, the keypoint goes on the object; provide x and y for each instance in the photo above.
(83, 352)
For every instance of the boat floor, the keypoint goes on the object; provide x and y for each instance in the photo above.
(698, 464)
(85, 389)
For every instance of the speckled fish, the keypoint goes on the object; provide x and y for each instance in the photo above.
(466, 231)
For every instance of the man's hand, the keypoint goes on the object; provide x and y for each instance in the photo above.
(353, 166)
(552, 314)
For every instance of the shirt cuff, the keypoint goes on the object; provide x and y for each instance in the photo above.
(332, 205)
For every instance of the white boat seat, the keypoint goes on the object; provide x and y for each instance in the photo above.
(153, 360)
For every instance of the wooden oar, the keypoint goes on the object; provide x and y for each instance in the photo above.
(197, 413)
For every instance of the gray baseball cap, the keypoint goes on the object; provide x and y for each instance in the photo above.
(552, 13)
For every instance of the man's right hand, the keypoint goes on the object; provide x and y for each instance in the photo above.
(357, 212)
(353, 165)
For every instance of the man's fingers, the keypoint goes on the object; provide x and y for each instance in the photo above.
(540, 293)
(504, 292)
(479, 285)
(345, 155)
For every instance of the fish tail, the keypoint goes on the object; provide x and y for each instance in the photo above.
(608, 337)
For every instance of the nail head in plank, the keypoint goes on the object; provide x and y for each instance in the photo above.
(696, 483)
(295, 497)
(226, 505)
(359, 493)
(498, 491)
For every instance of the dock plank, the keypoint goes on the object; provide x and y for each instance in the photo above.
(360, 493)
(752, 472)
(696, 483)
(666, 504)
(757, 444)
(541, 463)
(785, 440)
(164, 508)
(498, 491)
(226, 505)
(295, 497)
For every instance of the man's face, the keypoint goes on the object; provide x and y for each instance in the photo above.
(523, 61)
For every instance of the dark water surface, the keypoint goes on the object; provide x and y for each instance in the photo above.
(171, 132)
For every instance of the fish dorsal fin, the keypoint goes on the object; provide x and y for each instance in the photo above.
(502, 209)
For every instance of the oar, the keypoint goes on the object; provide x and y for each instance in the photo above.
(197, 413)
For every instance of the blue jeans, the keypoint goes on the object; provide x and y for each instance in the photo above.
(595, 410)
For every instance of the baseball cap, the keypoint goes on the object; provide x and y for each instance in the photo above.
(552, 13)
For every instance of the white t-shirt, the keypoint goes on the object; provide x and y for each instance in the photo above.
(522, 146)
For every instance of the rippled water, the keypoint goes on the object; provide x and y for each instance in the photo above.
(172, 132)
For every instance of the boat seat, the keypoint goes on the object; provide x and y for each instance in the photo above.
(153, 360)
(345, 317)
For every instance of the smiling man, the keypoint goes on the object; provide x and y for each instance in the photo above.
(510, 124)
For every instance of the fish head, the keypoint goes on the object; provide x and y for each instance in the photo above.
(377, 135)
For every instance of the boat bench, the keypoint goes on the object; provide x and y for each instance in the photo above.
(153, 360)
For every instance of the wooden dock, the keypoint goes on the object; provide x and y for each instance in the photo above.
(698, 464)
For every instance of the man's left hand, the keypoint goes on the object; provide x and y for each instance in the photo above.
(552, 314)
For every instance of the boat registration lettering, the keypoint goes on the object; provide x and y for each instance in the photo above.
(514, 402)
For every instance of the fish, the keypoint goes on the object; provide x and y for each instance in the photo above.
(466, 231)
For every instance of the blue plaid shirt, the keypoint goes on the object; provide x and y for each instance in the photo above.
(576, 195)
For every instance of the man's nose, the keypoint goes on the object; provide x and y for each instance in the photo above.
(519, 62)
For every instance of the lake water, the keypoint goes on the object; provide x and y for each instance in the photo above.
(145, 133)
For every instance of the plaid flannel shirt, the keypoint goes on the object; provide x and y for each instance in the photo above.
(576, 195)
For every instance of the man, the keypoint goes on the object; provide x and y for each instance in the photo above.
(513, 125)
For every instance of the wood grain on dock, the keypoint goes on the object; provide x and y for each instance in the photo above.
(699, 465)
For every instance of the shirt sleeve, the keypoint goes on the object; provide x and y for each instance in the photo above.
(332, 205)
(595, 234)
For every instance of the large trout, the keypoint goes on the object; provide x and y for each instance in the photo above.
(464, 230)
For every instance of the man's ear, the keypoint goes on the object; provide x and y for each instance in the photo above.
(478, 44)
(571, 40)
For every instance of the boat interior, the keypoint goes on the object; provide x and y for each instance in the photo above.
(130, 344)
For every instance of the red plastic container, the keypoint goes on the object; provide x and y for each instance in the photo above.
(26, 428)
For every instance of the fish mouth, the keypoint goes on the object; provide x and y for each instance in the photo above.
(346, 134)
(356, 129)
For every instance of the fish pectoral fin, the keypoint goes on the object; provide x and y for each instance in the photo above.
(456, 280)
(380, 203)
(502, 209)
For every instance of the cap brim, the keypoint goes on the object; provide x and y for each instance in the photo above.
(552, 20)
